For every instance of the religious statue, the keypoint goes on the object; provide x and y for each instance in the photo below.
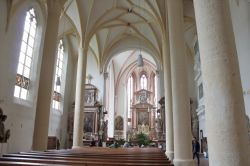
(4, 134)
(105, 130)
(158, 128)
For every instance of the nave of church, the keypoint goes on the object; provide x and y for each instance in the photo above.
(154, 74)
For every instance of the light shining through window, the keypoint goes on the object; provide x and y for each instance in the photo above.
(25, 56)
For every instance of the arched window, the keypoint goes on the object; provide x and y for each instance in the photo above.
(143, 81)
(130, 92)
(58, 77)
(26, 56)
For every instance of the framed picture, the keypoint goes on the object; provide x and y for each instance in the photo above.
(142, 118)
(118, 123)
(89, 122)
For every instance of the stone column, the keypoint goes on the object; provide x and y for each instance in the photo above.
(40, 137)
(181, 112)
(228, 142)
(158, 91)
(125, 114)
(105, 76)
(112, 100)
(168, 101)
(79, 101)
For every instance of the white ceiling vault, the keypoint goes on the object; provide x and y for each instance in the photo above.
(109, 27)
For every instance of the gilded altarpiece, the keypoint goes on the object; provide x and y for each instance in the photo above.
(143, 113)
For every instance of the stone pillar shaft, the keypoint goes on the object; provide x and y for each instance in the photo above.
(168, 102)
(159, 90)
(228, 142)
(105, 77)
(181, 112)
(79, 104)
(40, 137)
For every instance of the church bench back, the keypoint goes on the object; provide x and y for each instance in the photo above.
(92, 157)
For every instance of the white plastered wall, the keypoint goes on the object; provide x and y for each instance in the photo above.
(94, 71)
(21, 115)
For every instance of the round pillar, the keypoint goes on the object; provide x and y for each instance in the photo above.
(79, 104)
(168, 102)
(40, 137)
(181, 112)
(228, 142)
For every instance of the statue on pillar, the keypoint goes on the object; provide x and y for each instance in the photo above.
(194, 119)
(4, 134)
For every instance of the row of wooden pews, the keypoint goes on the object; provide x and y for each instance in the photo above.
(89, 157)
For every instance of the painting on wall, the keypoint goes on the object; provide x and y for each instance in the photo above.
(118, 123)
(89, 122)
(143, 118)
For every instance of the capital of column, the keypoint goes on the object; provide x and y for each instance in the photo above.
(55, 6)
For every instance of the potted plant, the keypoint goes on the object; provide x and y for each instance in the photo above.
(143, 139)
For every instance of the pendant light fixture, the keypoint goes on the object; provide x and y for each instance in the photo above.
(139, 57)
(139, 60)
(58, 81)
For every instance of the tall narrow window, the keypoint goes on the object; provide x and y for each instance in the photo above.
(58, 75)
(143, 81)
(26, 56)
(130, 97)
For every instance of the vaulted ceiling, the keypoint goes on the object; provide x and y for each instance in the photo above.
(108, 27)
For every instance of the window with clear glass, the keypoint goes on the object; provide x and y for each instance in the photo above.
(130, 92)
(24, 67)
(143, 81)
(58, 76)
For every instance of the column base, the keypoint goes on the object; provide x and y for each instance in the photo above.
(170, 155)
(180, 162)
(76, 147)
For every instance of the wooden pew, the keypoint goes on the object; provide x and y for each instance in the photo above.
(13, 163)
(92, 157)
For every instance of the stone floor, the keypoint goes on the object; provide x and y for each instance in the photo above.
(204, 162)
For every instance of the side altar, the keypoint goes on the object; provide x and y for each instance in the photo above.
(92, 114)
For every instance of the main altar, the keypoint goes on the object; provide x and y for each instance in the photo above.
(143, 113)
